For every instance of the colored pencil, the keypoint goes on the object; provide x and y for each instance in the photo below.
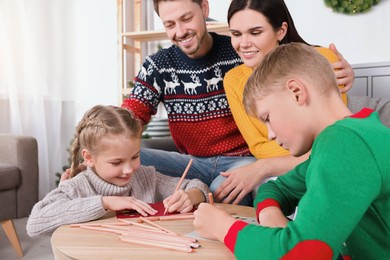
(157, 244)
(211, 198)
(181, 180)
(158, 226)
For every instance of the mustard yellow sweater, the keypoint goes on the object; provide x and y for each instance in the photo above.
(255, 132)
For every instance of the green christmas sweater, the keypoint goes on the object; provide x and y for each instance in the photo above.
(343, 196)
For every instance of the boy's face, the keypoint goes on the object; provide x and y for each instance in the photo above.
(285, 121)
(184, 22)
(117, 160)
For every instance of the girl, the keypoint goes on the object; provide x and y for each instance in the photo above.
(108, 140)
(256, 28)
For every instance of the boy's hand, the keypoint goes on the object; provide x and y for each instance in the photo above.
(179, 201)
(212, 222)
(272, 217)
(115, 203)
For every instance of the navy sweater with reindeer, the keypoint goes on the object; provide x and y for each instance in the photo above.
(192, 92)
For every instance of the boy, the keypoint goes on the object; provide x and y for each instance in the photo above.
(342, 191)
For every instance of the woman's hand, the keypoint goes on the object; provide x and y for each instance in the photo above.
(343, 70)
(115, 203)
(212, 222)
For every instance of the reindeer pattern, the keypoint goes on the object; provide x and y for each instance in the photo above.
(212, 84)
(189, 87)
(170, 86)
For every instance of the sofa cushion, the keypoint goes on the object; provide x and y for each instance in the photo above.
(382, 106)
(9, 176)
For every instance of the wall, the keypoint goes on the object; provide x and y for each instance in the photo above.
(360, 38)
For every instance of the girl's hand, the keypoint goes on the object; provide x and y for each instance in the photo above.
(212, 222)
(115, 203)
(179, 201)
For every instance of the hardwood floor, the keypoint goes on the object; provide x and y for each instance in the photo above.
(33, 248)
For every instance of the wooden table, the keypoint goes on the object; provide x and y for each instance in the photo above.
(76, 243)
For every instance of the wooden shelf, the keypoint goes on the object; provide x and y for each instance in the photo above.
(144, 36)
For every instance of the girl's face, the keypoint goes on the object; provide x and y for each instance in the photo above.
(252, 36)
(117, 159)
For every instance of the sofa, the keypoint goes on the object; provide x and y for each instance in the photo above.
(18, 181)
(381, 105)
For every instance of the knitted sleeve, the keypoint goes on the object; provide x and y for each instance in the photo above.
(254, 132)
(146, 93)
(332, 57)
(336, 199)
(62, 206)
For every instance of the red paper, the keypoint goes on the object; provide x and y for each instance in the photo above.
(159, 206)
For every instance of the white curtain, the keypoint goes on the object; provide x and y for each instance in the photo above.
(58, 58)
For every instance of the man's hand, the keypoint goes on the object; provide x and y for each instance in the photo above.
(239, 183)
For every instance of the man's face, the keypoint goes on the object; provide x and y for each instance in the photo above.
(184, 22)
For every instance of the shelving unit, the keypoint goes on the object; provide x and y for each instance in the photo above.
(132, 42)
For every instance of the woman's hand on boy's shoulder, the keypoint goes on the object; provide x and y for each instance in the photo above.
(343, 70)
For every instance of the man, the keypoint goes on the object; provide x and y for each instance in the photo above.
(187, 77)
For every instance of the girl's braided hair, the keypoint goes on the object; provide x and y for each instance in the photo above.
(98, 122)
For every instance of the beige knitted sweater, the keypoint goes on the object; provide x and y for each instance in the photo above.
(80, 199)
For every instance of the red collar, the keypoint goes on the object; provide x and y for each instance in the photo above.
(365, 112)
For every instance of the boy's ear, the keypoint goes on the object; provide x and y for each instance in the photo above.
(298, 91)
(88, 158)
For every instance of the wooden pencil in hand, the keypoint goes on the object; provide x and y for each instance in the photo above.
(181, 180)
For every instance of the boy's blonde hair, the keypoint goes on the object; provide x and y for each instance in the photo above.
(97, 123)
(288, 61)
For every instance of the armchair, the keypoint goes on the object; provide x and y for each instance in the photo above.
(18, 181)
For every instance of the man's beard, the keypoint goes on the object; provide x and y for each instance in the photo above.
(190, 51)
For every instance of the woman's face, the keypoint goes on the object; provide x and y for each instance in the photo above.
(252, 36)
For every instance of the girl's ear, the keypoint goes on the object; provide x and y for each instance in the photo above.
(88, 158)
(298, 91)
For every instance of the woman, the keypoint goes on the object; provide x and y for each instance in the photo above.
(257, 27)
